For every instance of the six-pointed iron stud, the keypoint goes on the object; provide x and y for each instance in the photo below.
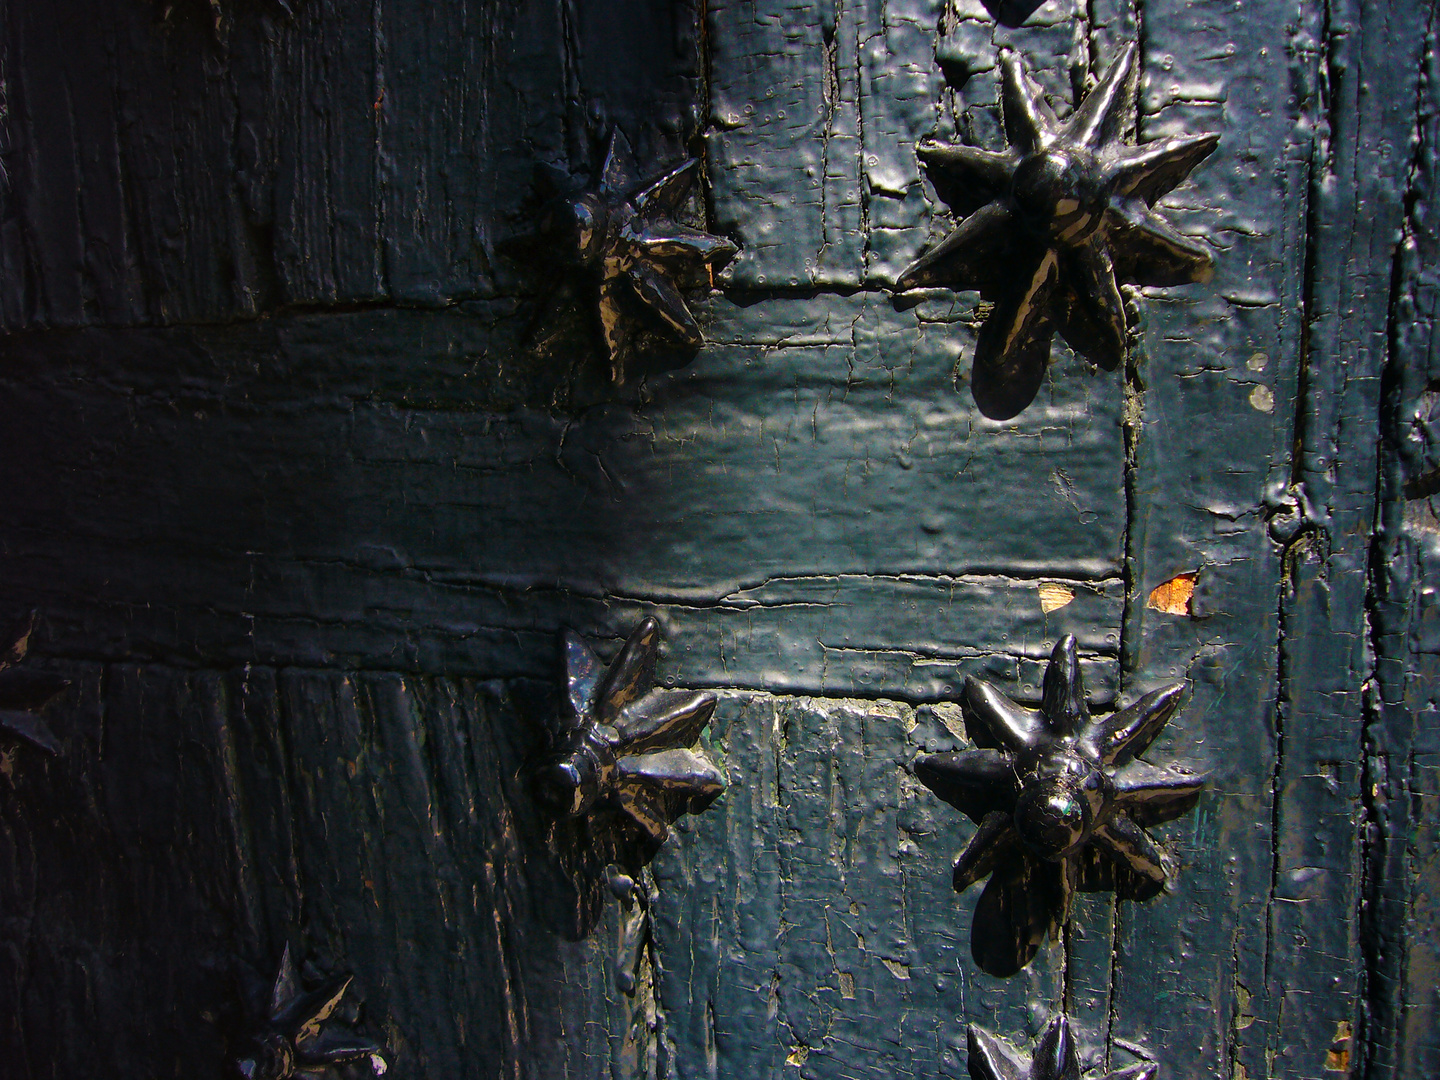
(1054, 1058)
(624, 764)
(22, 692)
(1060, 220)
(1061, 800)
(625, 748)
(620, 257)
(301, 1036)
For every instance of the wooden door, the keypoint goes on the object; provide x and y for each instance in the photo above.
(301, 515)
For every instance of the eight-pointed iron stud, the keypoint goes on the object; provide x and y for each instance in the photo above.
(1060, 220)
(1061, 800)
(300, 1036)
(621, 258)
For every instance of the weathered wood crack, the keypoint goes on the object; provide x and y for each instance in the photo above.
(301, 527)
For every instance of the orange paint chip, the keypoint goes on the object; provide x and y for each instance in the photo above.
(1337, 1058)
(1054, 596)
(1173, 597)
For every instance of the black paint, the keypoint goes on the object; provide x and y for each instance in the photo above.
(265, 416)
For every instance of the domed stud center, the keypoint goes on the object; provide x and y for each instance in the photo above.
(1052, 818)
(561, 786)
(577, 229)
(573, 779)
(1058, 195)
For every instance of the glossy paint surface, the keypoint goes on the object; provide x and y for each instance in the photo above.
(302, 523)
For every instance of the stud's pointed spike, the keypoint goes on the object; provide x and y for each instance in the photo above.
(1029, 122)
(633, 672)
(1152, 795)
(1144, 1070)
(286, 986)
(549, 181)
(666, 193)
(1103, 115)
(15, 641)
(1092, 275)
(665, 301)
(582, 672)
(31, 728)
(1012, 13)
(1149, 171)
(1012, 725)
(990, 1059)
(975, 782)
(686, 780)
(670, 244)
(619, 175)
(970, 257)
(1121, 736)
(1015, 915)
(304, 1013)
(334, 1046)
(647, 809)
(991, 841)
(1131, 846)
(1012, 349)
(1148, 250)
(969, 172)
(1063, 699)
(664, 718)
(1055, 1057)
(615, 291)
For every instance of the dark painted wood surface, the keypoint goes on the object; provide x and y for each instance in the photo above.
(301, 521)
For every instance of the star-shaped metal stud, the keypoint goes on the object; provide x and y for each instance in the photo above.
(23, 692)
(625, 749)
(1054, 1058)
(1061, 800)
(621, 259)
(1060, 220)
(301, 1035)
(622, 766)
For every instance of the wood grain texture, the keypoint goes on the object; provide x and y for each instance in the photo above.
(800, 503)
(1399, 795)
(302, 519)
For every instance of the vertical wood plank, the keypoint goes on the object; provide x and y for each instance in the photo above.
(1191, 967)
